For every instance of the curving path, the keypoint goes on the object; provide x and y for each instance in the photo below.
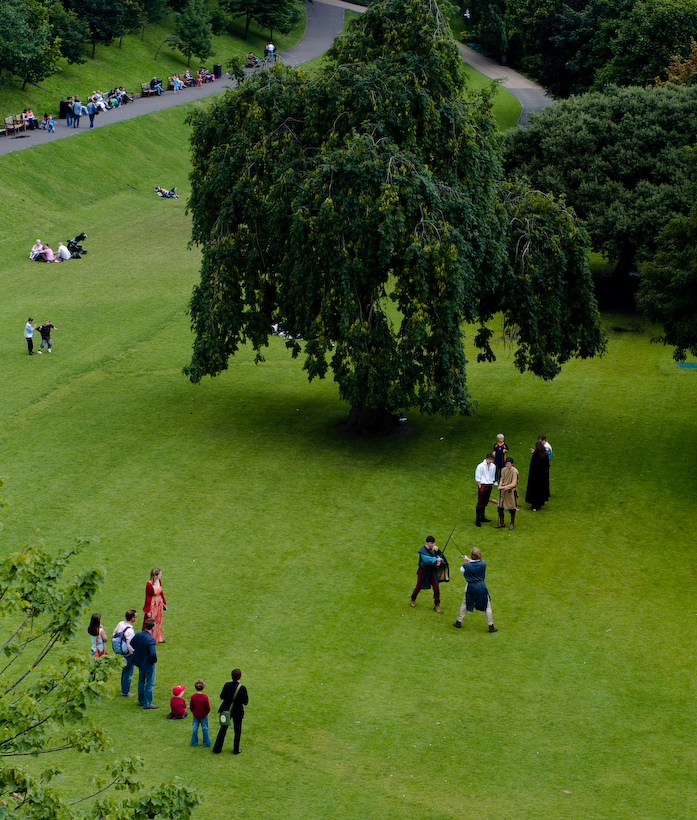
(325, 20)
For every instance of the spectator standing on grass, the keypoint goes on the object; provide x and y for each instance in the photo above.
(537, 491)
(200, 707)
(485, 476)
(45, 331)
(234, 698)
(125, 632)
(29, 335)
(508, 494)
(500, 453)
(145, 658)
(476, 592)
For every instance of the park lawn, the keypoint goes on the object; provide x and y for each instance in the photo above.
(289, 549)
(134, 63)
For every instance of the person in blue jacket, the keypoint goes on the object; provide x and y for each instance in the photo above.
(145, 658)
(431, 559)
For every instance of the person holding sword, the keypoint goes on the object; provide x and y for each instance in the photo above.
(427, 575)
(476, 592)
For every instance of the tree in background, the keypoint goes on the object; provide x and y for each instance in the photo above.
(362, 211)
(72, 31)
(105, 19)
(246, 7)
(280, 15)
(682, 72)
(621, 160)
(668, 286)
(28, 46)
(194, 30)
(652, 33)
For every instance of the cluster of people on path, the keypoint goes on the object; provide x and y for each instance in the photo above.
(139, 650)
(45, 332)
(96, 103)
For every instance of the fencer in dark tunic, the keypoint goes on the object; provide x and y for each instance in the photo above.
(476, 592)
(433, 568)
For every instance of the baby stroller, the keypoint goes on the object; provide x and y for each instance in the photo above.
(76, 250)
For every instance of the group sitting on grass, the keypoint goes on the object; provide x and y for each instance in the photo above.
(44, 253)
(163, 192)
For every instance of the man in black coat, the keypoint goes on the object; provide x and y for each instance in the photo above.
(234, 699)
(145, 658)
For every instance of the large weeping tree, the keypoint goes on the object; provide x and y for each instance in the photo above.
(363, 210)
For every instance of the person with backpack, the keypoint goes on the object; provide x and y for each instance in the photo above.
(121, 644)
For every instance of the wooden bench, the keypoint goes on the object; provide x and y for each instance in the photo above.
(145, 90)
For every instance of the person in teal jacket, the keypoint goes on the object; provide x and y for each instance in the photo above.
(431, 559)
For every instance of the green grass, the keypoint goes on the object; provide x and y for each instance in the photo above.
(132, 64)
(290, 550)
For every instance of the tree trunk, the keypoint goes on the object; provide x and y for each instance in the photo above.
(373, 422)
(246, 27)
(625, 264)
(94, 45)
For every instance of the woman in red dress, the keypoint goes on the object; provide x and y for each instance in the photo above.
(155, 603)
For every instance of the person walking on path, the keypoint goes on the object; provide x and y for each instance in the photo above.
(45, 331)
(537, 491)
(124, 633)
(428, 574)
(476, 592)
(508, 494)
(29, 335)
(77, 112)
(145, 658)
(234, 698)
(485, 476)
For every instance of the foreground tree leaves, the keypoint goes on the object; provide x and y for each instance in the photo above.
(361, 210)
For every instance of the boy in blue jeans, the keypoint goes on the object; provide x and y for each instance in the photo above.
(200, 707)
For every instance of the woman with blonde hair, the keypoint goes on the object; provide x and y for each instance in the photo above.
(155, 603)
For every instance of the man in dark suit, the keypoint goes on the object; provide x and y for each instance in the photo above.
(145, 658)
(234, 697)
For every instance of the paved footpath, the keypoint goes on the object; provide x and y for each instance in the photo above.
(325, 21)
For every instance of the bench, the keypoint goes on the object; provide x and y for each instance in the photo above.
(145, 90)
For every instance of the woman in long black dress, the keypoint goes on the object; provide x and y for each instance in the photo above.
(537, 491)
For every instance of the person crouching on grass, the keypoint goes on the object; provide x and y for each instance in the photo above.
(177, 704)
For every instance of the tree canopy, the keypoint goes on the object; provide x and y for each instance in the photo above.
(194, 30)
(362, 210)
(621, 158)
(668, 285)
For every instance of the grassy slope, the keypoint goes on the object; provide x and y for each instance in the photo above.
(290, 551)
(131, 65)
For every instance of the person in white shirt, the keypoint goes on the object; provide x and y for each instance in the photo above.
(485, 476)
(62, 254)
(126, 628)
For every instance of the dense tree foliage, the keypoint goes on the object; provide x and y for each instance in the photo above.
(28, 46)
(573, 46)
(620, 158)
(194, 30)
(362, 210)
(668, 285)
(47, 689)
(105, 19)
(72, 31)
